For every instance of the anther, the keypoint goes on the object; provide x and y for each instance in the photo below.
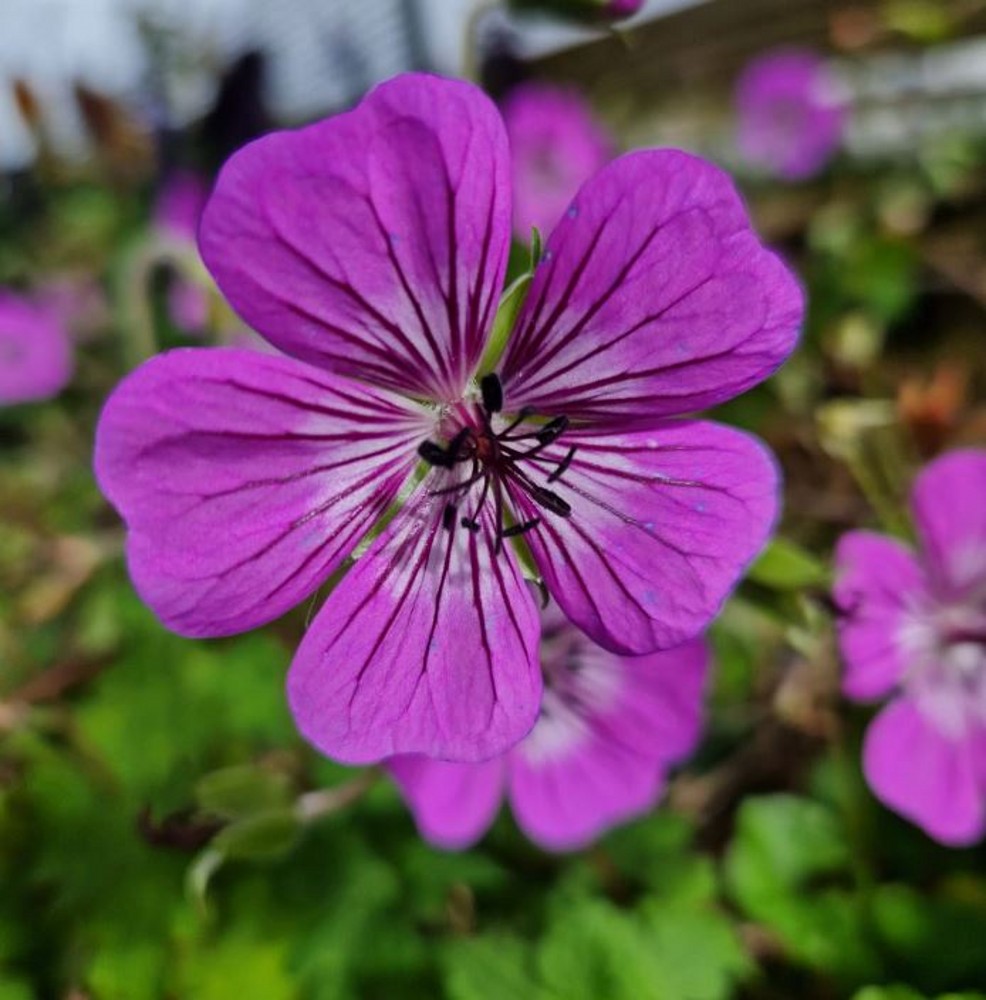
(436, 455)
(520, 529)
(549, 500)
(448, 517)
(552, 429)
(470, 524)
(492, 391)
(443, 458)
(563, 467)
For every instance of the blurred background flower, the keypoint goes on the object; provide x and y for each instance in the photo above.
(35, 350)
(790, 113)
(556, 144)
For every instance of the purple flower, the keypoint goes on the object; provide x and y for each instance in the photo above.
(176, 214)
(35, 351)
(914, 626)
(556, 145)
(791, 119)
(599, 753)
(371, 249)
(179, 206)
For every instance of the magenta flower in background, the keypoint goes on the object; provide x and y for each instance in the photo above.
(791, 118)
(179, 205)
(556, 145)
(609, 730)
(36, 360)
(914, 627)
(176, 214)
(371, 248)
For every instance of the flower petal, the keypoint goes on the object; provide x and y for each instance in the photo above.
(933, 781)
(428, 645)
(453, 804)
(950, 513)
(654, 298)
(565, 791)
(666, 690)
(35, 351)
(373, 243)
(878, 583)
(246, 479)
(663, 523)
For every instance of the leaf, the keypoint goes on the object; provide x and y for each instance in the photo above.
(887, 993)
(237, 792)
(698, 949)
(14, 989)
(594, 951)
(934, 942)
(264, 836)
(786, 566)
(783, 848)
(492, 967)
(783, 841)
(657, 851)
(243, 963)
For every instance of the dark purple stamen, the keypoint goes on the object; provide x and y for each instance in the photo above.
(520, 529)
(552, 429)
(492, 390)
(494, 458)
(563, 468)
(435, 454)
(448, 517)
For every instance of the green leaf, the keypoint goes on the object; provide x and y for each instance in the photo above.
(657, 851)
(783, 848)
(14, 989)
(933, 942)
(492, 967)
(243, 963)
(699, 952)
(236, 792)
(786, 566)
(783, 841)
(593, 950)
(887, 993)
(898, 992)
(263, 836)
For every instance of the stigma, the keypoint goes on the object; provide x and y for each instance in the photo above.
(493, 459)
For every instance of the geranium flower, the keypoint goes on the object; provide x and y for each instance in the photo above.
(370, 248)
(555, 146)
(914, 626)
(791, 118)
(609, 730)
(35, 351)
